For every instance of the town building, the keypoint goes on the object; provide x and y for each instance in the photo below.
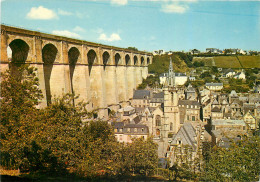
(214, 86)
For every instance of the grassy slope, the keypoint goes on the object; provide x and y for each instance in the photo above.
(227, 62)
(161, 64)
(250, 61)
(231, 61)
(208, 61)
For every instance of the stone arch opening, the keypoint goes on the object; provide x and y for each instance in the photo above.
(158, 120)
(135, 60)
(158, 132)
(148, 61)
(49, 54)
(73, 55)
(106, 58)
(127, 59)
(92, 56)
(142, 60)
(18, 51)
(117, 59)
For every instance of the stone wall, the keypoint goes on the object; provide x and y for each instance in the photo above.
(104, 76)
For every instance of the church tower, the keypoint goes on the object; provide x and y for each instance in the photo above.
(171, 109)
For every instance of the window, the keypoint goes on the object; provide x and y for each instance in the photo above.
(142, 129)
(158, 120)
(188, 118)
(128, 130)
(193, 118)
(171, 126)
(135, 129)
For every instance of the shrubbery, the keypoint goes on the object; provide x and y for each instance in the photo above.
(55, 139)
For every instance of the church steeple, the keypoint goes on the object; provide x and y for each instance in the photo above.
(171, 75)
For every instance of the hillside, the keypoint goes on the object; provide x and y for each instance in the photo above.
(161, 64)
(230, 61)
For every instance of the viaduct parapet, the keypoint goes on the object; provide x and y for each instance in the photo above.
(102, 75)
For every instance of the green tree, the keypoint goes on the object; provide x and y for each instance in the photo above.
(240, 162)
(19, 96)
(141, 156)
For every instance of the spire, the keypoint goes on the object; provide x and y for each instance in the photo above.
(171, 75)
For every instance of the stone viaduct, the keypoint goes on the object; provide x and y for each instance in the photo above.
(104, 76)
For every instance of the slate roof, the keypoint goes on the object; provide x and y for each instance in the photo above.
(226, 142)
(233, 93)
(214, 84)
(215, 109)
(228, 122)
(188, 102)
(187, 135)
(135, 126)
(141, 94)
(215, 102)
(226, 71)
(159, 95)
(137, 119)
(117, 124)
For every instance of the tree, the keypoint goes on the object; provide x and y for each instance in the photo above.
(19, 96)
(132, 48)
(240, 162)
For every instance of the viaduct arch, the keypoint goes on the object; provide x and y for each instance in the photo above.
(102, 75)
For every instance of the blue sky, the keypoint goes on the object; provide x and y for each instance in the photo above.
(148, 25)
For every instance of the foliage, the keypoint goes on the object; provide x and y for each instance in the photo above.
(240, 162)
(150, 81)
(198, 63)
(132, 48)
(236, 84)
(19, 95)
(161, 64)
(54, 139)
(141, 156)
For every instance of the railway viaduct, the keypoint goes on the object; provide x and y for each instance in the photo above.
(104, 76)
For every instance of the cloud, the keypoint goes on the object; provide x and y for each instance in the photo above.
(78, 29)
(66, 33)
(119, 2)
(113, 37)
(64, 13)
(41, 13)
(174, 8)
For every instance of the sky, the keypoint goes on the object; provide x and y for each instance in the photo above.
(148, 25)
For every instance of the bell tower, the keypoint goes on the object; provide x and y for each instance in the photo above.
(171, 109)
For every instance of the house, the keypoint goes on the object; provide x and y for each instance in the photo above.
(214, 86)
(228, 73)
(221, 128)
(241, 51)
(240, 75)
(192, 78)
(189, 111)
(216, 113)
(233, 96)
(213, 50)
(250, 120)
(194, 51)
(158, 52)
(206, 111)
(126, 132)
(190, 93)
(141, 98)
(179, 79)
(157, 100)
